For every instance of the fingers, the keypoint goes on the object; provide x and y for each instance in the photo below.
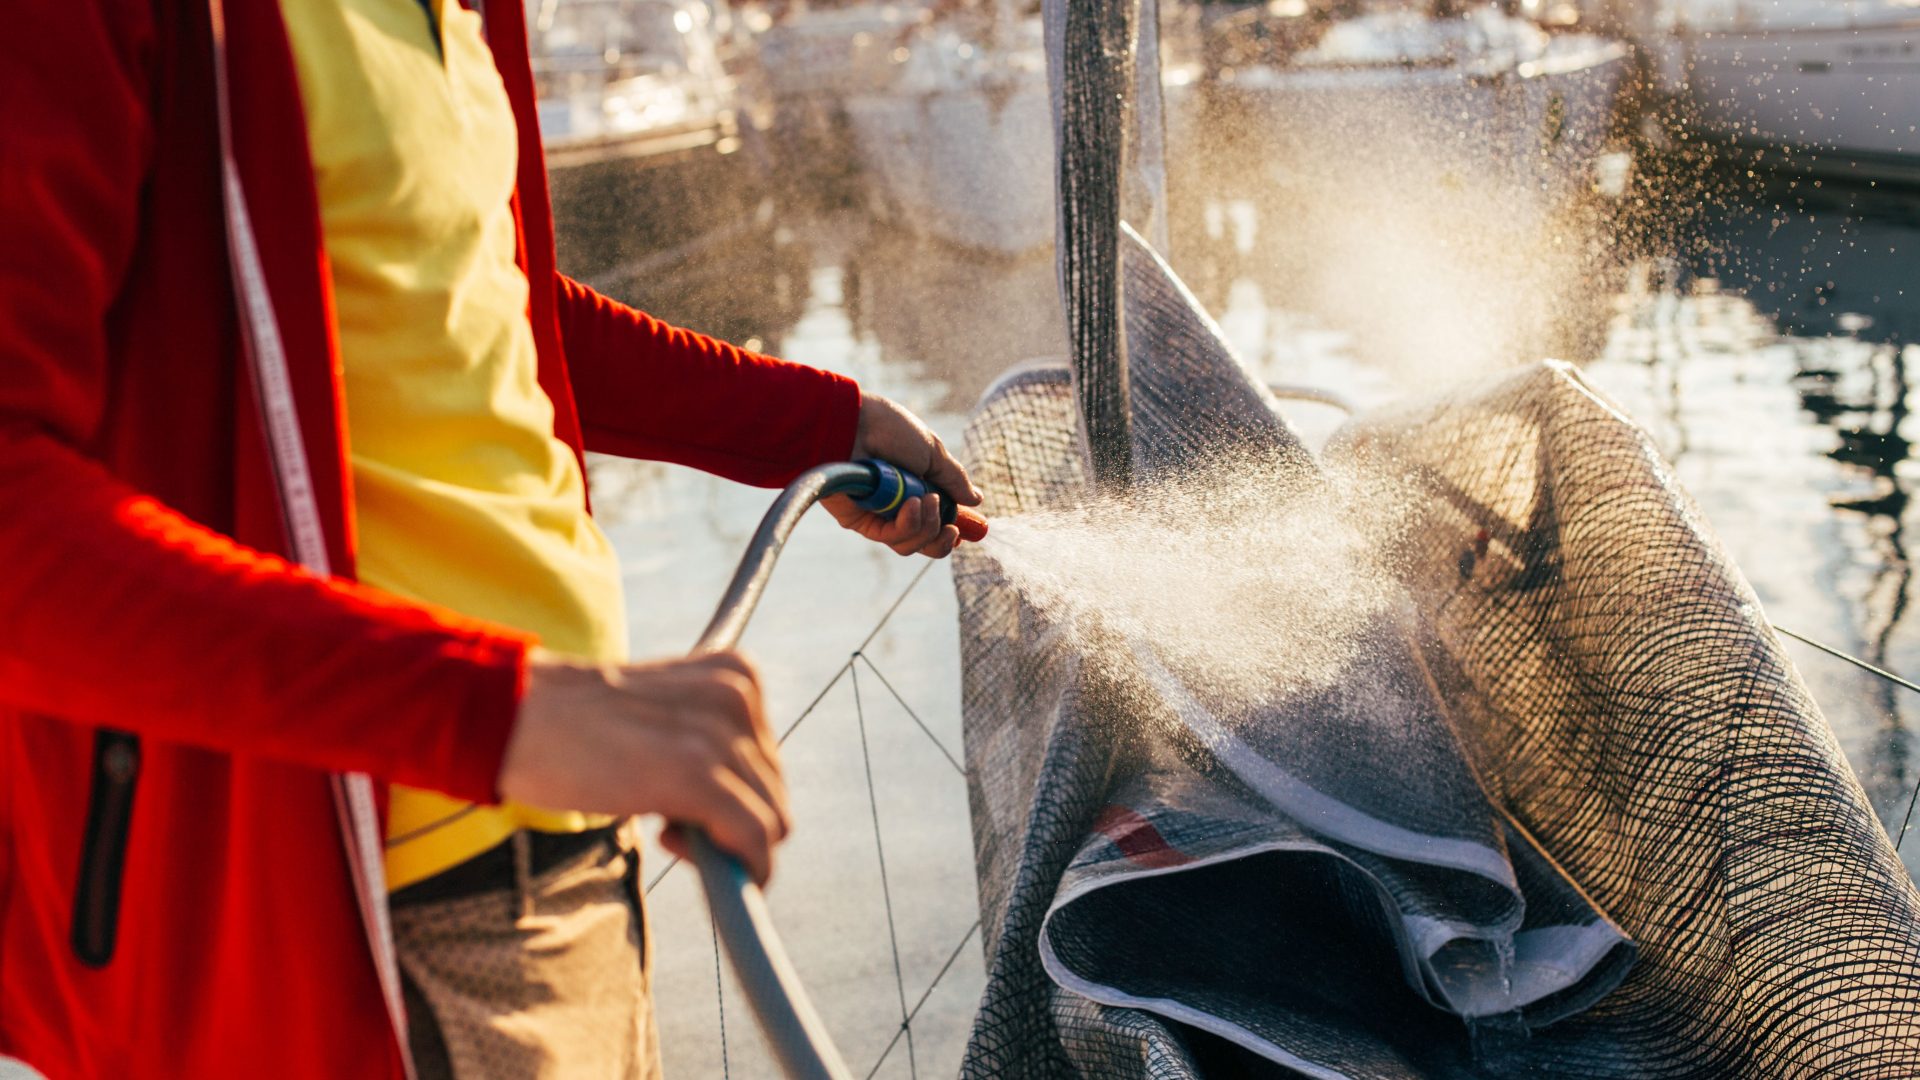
(915, 526)
(724, 680)
(738, 688)
(891, 433)
(740, 803)
(943, 543)
(736, 830)
(906, 532)
(945, 472)
(742, 825)
(722, 694)
(746, 759)
(724, 750)
(918, 531)
(915, 530)
(743, 669)
(749, 754)
(688, 739)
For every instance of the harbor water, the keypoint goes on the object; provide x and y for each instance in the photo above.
(1762, 329)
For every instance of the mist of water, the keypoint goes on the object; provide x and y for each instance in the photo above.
(1251, 578)
(1448, 241)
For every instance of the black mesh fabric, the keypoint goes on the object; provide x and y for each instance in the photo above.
(1567, 810)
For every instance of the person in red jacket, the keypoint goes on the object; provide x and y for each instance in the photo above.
(281, 397)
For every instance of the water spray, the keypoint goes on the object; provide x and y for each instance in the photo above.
(799, 1042)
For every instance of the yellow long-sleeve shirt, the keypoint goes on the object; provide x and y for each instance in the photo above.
(463, 496)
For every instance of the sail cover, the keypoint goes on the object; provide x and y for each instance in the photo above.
(1563, 806)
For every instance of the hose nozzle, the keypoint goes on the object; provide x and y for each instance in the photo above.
(893, 486)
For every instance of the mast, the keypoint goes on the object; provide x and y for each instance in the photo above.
(1090, 47)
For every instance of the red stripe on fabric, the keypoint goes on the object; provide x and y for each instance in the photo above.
(1137, 839)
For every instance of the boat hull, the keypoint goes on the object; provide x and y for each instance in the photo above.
(1839, 101)
(972, 166)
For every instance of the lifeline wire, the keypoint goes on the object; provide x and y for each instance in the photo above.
(848, 670)
(858, 652)
(1907, 821)
(915, 1011)
(1854, 660)
(886, 890)
(908, 709)
(720, 997)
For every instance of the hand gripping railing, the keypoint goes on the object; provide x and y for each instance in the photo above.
(800, 1043)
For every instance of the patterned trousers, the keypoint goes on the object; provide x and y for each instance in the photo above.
(535, 966)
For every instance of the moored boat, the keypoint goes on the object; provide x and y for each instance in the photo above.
(1821, 87)
(628, 79)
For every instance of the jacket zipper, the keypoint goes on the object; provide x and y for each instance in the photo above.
(103, 854)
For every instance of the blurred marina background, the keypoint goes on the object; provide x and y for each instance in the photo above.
(1708, 205)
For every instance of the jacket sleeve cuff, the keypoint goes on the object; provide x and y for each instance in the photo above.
(475, 744)
(839, 420)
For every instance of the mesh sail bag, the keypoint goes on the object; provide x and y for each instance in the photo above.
(1568, 810)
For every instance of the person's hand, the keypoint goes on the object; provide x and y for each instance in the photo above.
(894, 435)
(687, 739)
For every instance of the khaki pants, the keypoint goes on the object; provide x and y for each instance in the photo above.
(546, 974)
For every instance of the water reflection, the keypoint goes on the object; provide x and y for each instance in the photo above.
(1820, 258)
(962, 317)
(745, 281)
(1828, 261)
(956, 318)
(1805, 288)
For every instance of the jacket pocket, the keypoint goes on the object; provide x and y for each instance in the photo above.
(103, 853)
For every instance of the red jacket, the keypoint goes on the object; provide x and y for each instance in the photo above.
(206, 924)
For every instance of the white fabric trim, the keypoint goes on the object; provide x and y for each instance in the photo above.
(15, 1069)
(273, 386)
(1186, 1014)
(1545, 961)
(300, 509)
(1412, 961)
(1540, 962)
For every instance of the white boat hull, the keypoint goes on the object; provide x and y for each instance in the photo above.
(971, 166)
(1843, 100)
